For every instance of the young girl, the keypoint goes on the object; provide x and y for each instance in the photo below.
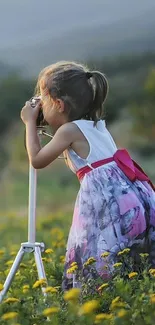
(115, 206)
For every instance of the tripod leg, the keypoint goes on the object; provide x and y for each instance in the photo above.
(12, 273)
(40, 266)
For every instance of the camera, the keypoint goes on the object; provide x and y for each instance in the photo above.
(40, 119)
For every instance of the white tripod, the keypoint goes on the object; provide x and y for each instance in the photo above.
(31, 246)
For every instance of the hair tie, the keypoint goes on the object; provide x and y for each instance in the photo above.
(88, 75)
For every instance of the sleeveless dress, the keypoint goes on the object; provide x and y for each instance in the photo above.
(111, 212)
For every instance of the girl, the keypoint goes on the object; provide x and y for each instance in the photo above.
(115, 206)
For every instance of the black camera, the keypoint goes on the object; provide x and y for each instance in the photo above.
(40, 119)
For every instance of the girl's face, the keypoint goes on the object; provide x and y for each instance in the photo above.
(51, 110)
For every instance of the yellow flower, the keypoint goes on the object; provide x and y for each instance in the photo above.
(13, 253)
(22, 265)
(102, 316)
(132, 275)
(105, 254)
(143, 255)
(103, 286)
(50, 290)
(72, 294)
(121, 313)
(9, 300)
(118, 304)
(50, 311)
(117, 264)
(152, 271)
(88, 307)
(1, 287)
(10, 315)
(115, 300)
(26, 288)
(73, 264)
(2, 251)
(39, 283)
(8, 263)
(125, 251)
(49, 251)
(44, 259)
(72, 269)
(152, 298)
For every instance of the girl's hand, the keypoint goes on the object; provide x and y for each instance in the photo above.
(29, 113)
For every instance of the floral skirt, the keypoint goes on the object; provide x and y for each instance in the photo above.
(111, 213)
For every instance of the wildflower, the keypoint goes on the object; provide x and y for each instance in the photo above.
(103, 286)
(26, 288)
(117, 264)
(72, 294)
(102, 316)
(10, 315)
(13, 253)
(121, 313)
(105, 254)
(72, 269)
(2, 251)
(74, 264)
(49, 251)
(132, 275)
(50, 311)
(1, 287)
(44, 259)
(90, 261)
(39, 283)
(115, 300)
(8, 263)
(152, 271)
(88, 307)
(143, 255)
(10, 300)
(152, 298)
(50, 290)
(118, 304)
(24, 266)
(125, 251)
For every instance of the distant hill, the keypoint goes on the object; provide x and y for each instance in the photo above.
(38, 33)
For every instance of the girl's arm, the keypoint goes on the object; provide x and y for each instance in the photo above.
(42, 157)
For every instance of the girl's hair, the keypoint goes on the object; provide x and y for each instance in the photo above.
(83, 92)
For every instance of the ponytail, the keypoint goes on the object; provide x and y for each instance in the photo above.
(100, 87)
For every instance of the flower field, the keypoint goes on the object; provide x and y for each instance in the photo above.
(127, 298)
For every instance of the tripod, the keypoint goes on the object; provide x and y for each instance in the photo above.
(31, 246)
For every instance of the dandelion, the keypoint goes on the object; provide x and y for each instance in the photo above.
(121, 313)
(105, 254)
(152, 271)
(1, 287)
(10, 315)
(39, 283)
(2, 251)
(88, 307)
(143, 255)
(103, 316)
(11, 300)
(49, 251)
(117, 265)
(118, 304)
(26, 288)
(152, 298)
(125, 251)
(115, 300)
(72, 294)
(50, 290)
(72, 269)
(74, 264)
(103, 286)
(51, 311)
(8, 263)
(132, 275)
